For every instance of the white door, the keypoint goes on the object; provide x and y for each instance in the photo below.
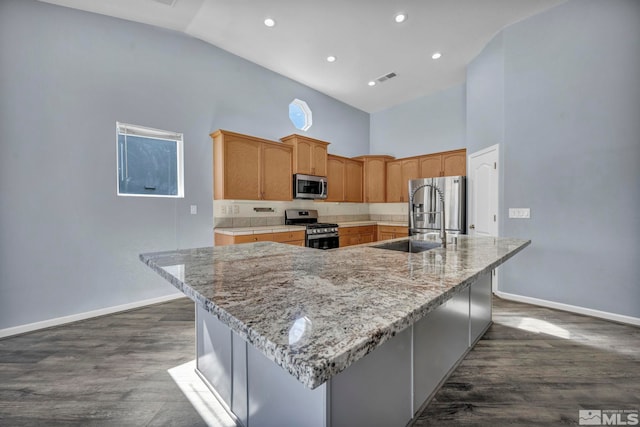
(482, 185)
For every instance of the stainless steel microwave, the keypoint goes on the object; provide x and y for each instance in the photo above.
(309, 187)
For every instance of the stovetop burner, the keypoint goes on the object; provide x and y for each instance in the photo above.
(322, 225)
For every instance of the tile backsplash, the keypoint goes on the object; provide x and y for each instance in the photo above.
(241, 213)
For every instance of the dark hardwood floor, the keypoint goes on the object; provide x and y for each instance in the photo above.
(534, 366)
(538, 367)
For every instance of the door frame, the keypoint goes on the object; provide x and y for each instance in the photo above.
(496, 148)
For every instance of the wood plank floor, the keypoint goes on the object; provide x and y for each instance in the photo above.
(534, 366)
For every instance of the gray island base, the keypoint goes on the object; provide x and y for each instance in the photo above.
(290, 336)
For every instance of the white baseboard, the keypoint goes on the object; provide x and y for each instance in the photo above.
(620, 318)
(30, 327)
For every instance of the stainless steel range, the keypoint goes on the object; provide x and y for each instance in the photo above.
(319, 235)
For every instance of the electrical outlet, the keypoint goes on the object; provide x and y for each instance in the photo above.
(520, 213)
(194, 209)
(236, 209)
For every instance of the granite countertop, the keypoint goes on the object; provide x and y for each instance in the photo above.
(361, 223)
(316, 312)
(238, 231)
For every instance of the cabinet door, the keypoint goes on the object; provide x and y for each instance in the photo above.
(394, 181)
(430, 166)
(366, 237)
(335, 179)
(383, 235)
(375, 171)
(319, 160)
(455, 163)
(276, 172)
(410, 170)
(241, 169)
(304, 152)
(353, 181)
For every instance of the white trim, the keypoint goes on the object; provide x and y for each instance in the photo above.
(30, 327)
(620, 318)
(495, 147)
(485, 151)
(127, 129)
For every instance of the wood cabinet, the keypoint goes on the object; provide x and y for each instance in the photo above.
(386, 232)
(448, 163)
(356, 235)
(250, 168)
(344, 179)
(290, 237)
(309, 155)
(374, 179)
(399, 172)
(353, 181)
(335, 178)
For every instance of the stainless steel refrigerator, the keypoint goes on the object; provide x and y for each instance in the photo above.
(425, 204)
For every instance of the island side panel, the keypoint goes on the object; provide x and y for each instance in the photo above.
(480, 308)
(440, 339)
(375, 391)
(255, 390)
(213, 353)
(240, 394)
(277, 399)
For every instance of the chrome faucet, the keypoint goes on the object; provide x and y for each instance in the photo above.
(443, 232)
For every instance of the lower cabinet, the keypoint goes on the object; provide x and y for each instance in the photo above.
(386, 232)
(290, 237)
(356, 235)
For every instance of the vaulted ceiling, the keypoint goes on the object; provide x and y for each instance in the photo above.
(362, 35)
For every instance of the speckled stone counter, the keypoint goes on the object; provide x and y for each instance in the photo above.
(371, 222)
(240, 231)
(353, 299)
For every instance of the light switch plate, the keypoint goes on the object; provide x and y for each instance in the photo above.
(194, 209)
(520, 213)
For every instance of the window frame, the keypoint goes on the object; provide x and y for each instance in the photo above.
(306, 112)
(152, 133)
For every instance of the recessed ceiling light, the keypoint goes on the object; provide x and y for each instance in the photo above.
(269, 22)
(331, 58)
(371, 83)
(436, 55)
(401, 17)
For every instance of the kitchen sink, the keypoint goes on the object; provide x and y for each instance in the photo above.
(413, 246)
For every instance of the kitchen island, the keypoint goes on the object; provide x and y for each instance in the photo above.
(353, 336)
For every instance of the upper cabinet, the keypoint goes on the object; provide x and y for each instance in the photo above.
(335, 178)
(449, 163)
(375, 177)
(309, 155)
(353, 181)
(250, 168)
(399, 172)
(344, 179)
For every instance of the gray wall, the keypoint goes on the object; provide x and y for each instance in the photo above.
(67, 244)
(425, 125)
(561, 93)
